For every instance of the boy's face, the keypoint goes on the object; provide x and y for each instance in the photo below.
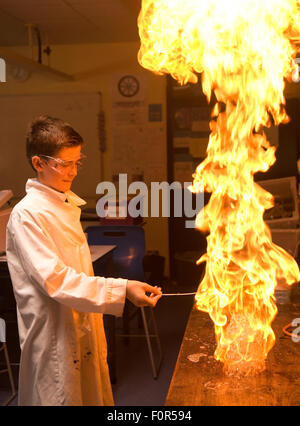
(51, 173)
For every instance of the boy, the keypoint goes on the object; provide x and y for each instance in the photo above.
(59, 301)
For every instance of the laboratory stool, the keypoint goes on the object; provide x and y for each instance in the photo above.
(147, 321)
(8, 370)
(128, 263)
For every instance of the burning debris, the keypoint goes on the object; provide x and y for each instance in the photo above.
(244, 51)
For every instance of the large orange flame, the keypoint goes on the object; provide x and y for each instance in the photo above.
(245, 51)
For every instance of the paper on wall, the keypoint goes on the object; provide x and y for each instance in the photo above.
(198, 147)
(183, 171)
(200, 126)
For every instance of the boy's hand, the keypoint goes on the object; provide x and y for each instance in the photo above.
(136, 293)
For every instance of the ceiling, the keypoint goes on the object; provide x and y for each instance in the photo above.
(69, 21)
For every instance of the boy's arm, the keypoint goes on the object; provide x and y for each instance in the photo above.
(45, 269)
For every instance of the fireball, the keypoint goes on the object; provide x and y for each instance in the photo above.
(244, 52)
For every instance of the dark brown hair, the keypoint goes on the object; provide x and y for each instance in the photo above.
(48, 135)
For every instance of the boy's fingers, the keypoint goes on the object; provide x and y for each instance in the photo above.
(150, 289)
(152, 295)
(152, 299)
(156, 298)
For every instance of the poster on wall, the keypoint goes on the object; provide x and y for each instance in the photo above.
(137, 136)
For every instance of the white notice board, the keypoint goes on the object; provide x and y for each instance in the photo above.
(81, 110)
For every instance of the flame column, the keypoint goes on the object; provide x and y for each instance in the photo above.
(244, 51)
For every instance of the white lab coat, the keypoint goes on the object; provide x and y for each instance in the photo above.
(59, 302)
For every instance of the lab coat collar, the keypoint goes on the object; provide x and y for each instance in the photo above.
(34, 184)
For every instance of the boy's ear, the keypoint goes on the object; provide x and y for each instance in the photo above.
(36, 163)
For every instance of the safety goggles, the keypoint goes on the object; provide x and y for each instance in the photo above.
(63, 166)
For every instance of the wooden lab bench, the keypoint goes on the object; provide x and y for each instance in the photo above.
(198, 379)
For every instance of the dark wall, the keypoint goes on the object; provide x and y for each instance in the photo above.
(288, 150)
